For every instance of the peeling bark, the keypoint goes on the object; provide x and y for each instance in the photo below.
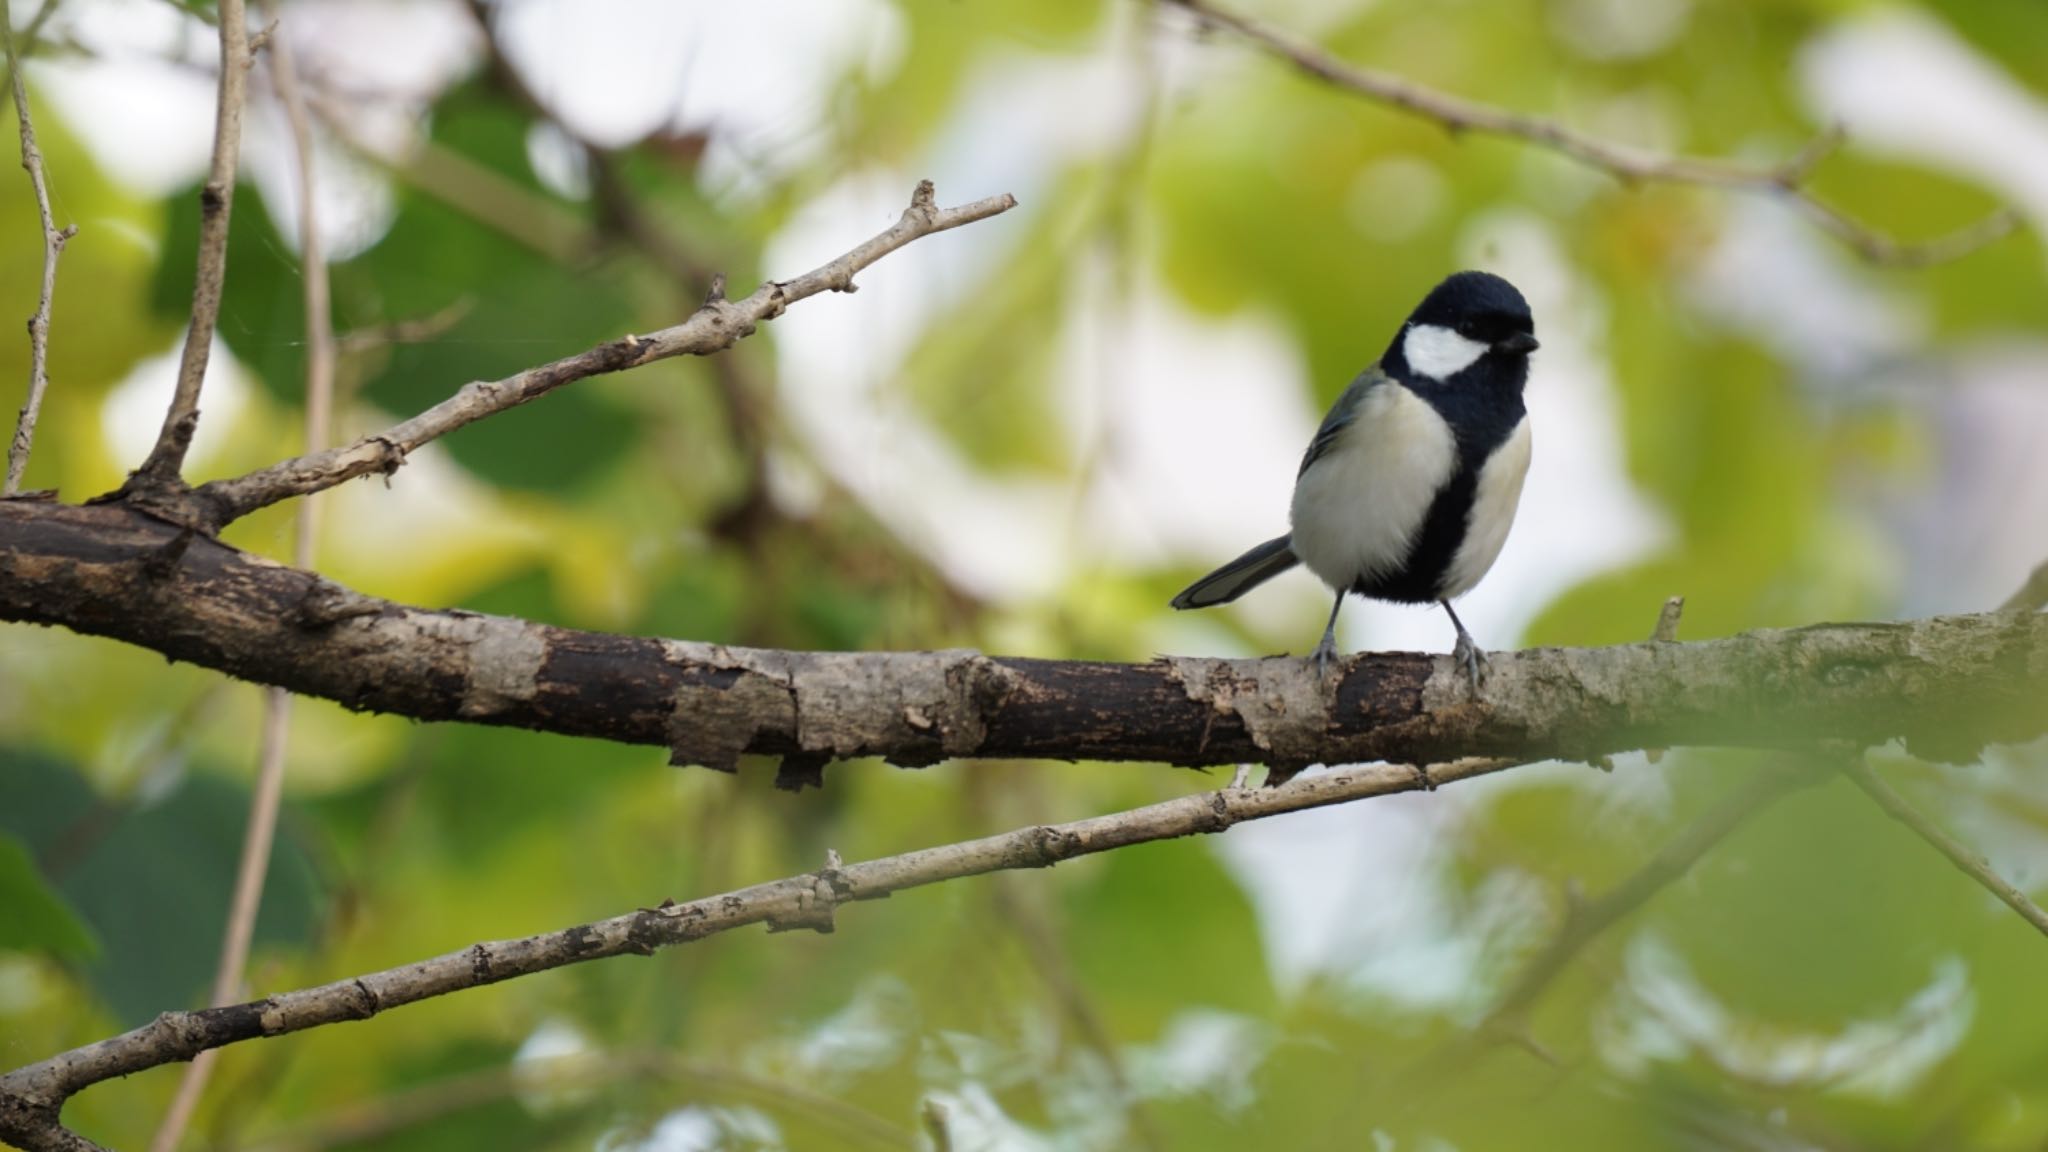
(1946, 686)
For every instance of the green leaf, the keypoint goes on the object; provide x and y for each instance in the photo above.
(152, 880)
(37, 918)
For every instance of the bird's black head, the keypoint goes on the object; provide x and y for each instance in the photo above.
(1472, 318)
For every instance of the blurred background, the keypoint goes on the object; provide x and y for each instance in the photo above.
(1024, 436)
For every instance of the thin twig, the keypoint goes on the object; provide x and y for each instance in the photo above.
(250, 871)
(53, 247)
(713, 327)
(166, 460)
(263, 802)
(416, 330)
(1971, 864)
(32, 1097)
(1666, 631)
(1787, 180)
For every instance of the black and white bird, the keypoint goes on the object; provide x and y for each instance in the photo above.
(1409, 487)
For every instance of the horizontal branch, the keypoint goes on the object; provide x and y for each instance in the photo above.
(1945, 685)
(715, 326)
(1787, 180)
(32, 1097)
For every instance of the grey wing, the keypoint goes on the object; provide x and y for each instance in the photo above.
(1342, 413)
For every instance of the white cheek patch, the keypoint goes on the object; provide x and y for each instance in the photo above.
(1439, 353)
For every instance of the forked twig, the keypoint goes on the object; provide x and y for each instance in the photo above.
(53, 247)
(1787, 180)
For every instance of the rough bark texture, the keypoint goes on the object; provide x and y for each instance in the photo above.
(1946, 686)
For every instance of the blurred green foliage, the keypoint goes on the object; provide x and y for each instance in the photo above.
(1821, 979)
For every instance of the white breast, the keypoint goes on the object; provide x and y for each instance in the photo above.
(1493, 510)
(1358, 507)
(1437, 352)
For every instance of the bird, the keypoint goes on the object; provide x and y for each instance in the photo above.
(1407, 491)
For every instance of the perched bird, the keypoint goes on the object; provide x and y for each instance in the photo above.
(1407, 491)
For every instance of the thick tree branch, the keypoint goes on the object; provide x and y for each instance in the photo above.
(167, 459)
(1946, 685)
(715, 326)
(1971, 864)
(53, 247)
(32, 1097)
(1787, 181)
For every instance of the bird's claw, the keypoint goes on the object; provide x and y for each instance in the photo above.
(1324, 653)
(1471, 657)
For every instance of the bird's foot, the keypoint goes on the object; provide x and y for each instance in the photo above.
(1324, 653)
(1470, 656)
(1422, 777)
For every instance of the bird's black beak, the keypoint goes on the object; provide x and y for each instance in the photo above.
(1519, 343)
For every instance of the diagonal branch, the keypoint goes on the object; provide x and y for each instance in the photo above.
(1787, 181)
(32, 1097)
(53, 247)
(715, 326)
(1969, 862)
(166, 460)
(1584, 922)
(1946, 685)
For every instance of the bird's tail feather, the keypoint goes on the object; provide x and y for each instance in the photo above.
(1240, 575)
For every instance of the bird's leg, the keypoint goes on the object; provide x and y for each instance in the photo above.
(1467, 651)
(1327, 650)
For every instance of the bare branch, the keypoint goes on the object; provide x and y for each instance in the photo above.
(254, 865)
(53, 247)
(715, 326)
(32, 1097)
(1787, 181)
(1946, 685)
(1969, 862)
(166, 461)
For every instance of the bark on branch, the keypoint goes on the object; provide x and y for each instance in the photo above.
(1946, 685)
